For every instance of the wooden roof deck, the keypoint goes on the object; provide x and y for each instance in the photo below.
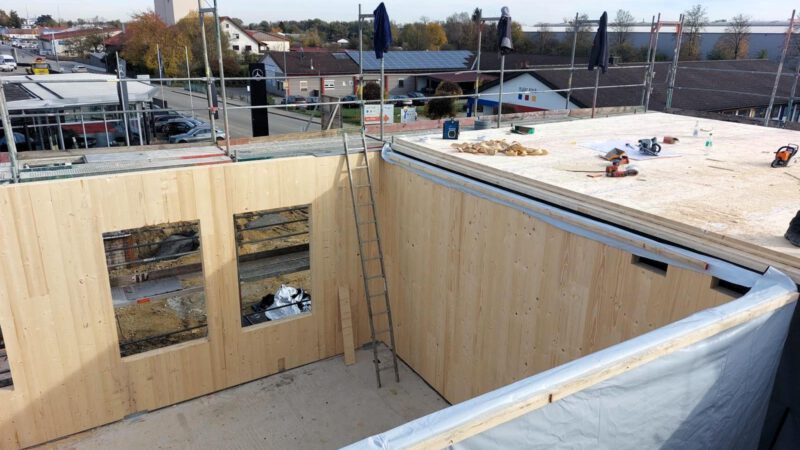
(725, 201)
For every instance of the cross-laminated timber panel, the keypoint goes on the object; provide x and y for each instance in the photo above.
(484, 294)
(55, 302)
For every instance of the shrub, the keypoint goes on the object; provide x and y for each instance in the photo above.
(439, 108)
(372, 91)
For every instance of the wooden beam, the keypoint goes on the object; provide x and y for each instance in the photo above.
(347, 326)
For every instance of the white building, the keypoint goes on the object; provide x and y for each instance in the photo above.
(172, 11)
(523, 92)
(238, 38)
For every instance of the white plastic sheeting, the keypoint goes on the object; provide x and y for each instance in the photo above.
(710, 394)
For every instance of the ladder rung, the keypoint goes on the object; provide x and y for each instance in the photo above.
(366, 222)
(377, 294)
(381, 369)
(369, 241)
(381, 313)
(361, 185)
(385, 330)
(374, 277)
(364, 204)
(371, 259)
(360, 167)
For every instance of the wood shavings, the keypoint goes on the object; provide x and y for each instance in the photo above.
(495, 146)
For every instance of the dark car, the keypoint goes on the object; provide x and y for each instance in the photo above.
(417, 98)
(177, 125)
(400, 100)
(294, 100)
(350, 98)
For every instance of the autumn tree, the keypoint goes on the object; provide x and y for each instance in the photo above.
(735, 43)
(545, 42)
(143, 34)
(312, 39)
(436, 36)
(621, 27)
(423, 35)
(461, 31)
(695, 20)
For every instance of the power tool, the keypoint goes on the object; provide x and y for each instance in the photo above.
(784, 155)
(649, 146)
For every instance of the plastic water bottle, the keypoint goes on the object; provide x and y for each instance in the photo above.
(710, 140)
(696, 131)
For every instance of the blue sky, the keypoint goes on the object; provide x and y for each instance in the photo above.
(526, 11)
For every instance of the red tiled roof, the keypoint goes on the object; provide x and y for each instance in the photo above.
(76, 33)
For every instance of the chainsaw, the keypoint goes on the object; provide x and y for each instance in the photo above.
(784, 155)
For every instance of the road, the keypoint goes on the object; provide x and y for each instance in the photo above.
(280, 122)
(27, 57)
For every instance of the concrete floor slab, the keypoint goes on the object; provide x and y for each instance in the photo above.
(318, 406)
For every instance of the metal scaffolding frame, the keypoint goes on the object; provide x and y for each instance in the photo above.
(54, 119)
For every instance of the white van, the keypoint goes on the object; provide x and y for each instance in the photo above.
(8, 59)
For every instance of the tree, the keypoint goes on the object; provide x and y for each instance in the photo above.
(14, 20)
(462, 31)
(4, 18)
(312, 39)
(584, 41)
(762, 54)
(438, 108)
(622, 26)
(735, 43)
(372, 91)
(436, 36)
(521, 42)
(695, 20)
(545, 42)
(46, 20)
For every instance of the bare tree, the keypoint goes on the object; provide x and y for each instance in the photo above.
(545, 40)
(622, 26)
(735, 43)
(696, 19)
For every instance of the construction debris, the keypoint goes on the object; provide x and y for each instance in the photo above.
(495, 146)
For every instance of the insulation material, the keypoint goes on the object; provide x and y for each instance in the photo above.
(710, 394)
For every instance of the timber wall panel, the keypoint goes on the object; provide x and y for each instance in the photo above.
(55, 301)
(484, 295)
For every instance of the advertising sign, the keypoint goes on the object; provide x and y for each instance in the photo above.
(372, 114)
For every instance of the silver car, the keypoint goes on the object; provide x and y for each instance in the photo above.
(196, 135)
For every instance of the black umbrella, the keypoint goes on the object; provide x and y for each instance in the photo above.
(382, 38)
(599, 55)
(504, 32)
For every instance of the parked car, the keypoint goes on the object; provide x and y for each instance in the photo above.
(400, 100)
(75, 140)
(19, 139)
(165, 116)
(196, 135)
(417, 98)
(79, 69)
(180, 126)
(6, 67)
(312, 100)
(294, 100)
(350, 98)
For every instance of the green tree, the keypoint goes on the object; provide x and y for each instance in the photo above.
(45, 20)
(312, 39)
(438, 108)
(14, 21)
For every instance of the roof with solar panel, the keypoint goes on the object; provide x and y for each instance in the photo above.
(407, 61)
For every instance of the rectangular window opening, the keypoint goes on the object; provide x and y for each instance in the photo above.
(274, 263)
(157, 285)
(6, 382)
(652, 265)
(728, 288)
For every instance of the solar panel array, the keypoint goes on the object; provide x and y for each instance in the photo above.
(415, 60)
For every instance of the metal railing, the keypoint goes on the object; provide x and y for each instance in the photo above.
(138, 121)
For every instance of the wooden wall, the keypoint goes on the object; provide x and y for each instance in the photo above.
(484, 295)
(55, 302)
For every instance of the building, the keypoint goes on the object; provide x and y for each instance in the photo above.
(310, 74)
(91, 107)
(270, 42)
(172, 11)
(67, 42)
(738, 88)
(240, 40)
(550, 309)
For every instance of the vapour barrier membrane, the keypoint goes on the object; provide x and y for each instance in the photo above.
(711, 393)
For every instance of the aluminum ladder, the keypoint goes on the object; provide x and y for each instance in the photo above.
(373, 270)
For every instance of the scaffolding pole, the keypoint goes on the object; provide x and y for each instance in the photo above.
(792, 93)
(768, 114)
(222, 88)
(673, 71)
(572, 60)
(209, 79)
(477, 69)
(8, 131)
(189, 76)
(649, 51)
(651, 65)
